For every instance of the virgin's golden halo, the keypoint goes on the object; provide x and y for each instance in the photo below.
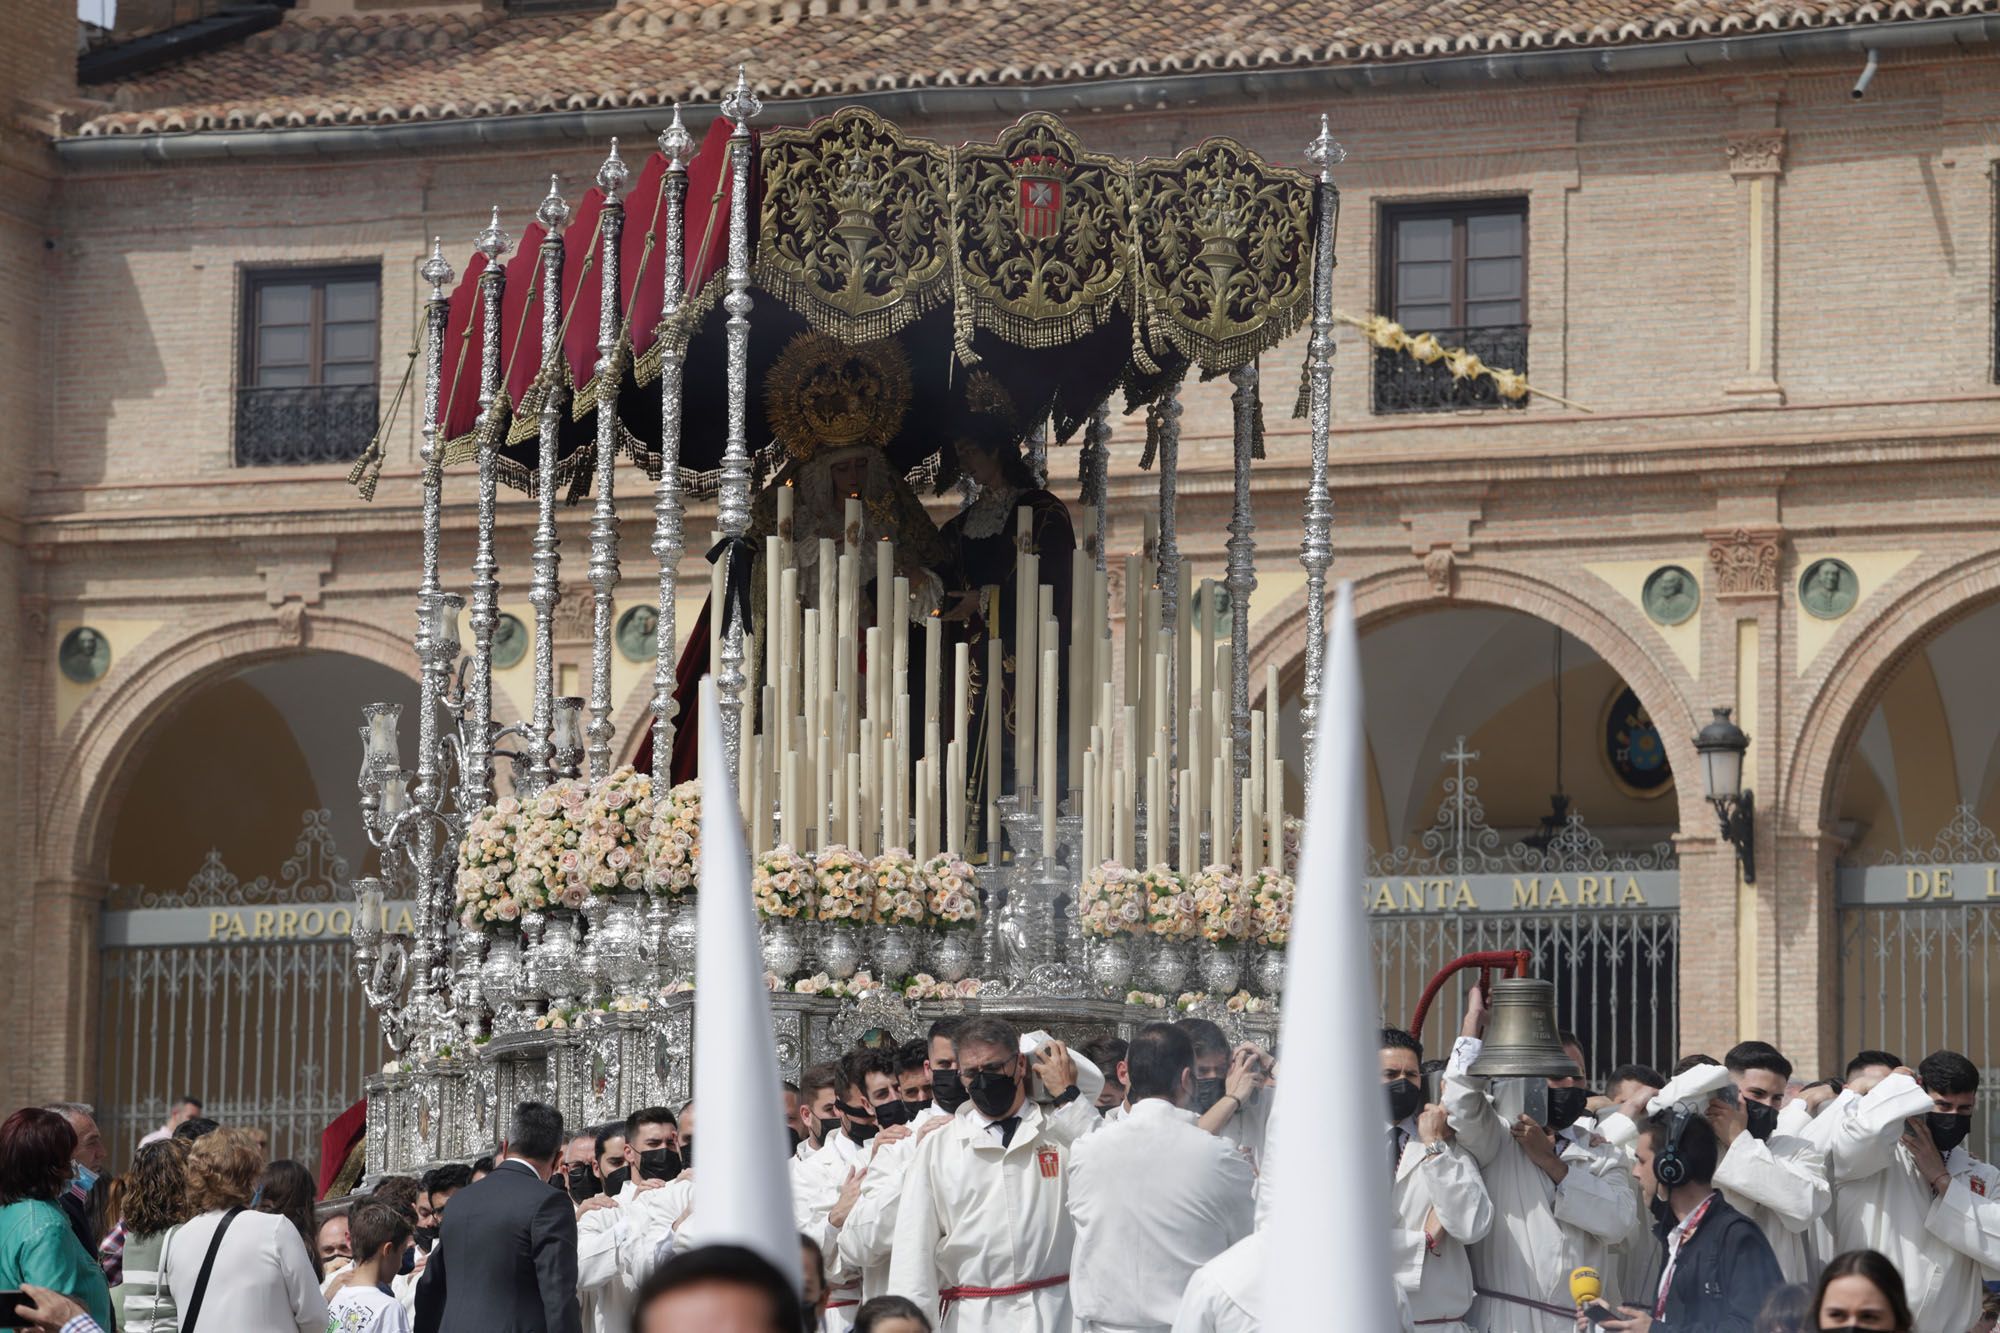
(826, 394)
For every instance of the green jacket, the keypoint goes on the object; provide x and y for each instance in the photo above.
(37, 1245)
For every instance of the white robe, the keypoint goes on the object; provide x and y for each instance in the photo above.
(1226, 1294)
(1544, 1230)
(1153, 1198)
(816, 1186)
(861, 1245)
(1945, 1245)
(976, 1214)
(1781, 1186)
(1438, 1286)
(612, 1259)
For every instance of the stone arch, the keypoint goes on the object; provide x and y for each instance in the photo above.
(95, 747)
(1406, 590)
(1865, 660)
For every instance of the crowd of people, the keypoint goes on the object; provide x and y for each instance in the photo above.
(983, 1180)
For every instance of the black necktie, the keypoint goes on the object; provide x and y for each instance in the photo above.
(1395, 1150)
(1007, 1128)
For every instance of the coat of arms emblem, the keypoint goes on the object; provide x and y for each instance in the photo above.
(1039, 180)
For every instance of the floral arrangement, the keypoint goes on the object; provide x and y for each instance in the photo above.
(1243, 1002)
(923, 986)
(951, 894)
(1108, 902)
(846, 888)
(1270, 898)
(617, 822)
(782, 885)
(819, 983)
(1170, 913)
(1222, 906)
(898, 889)
(559, 1019)
(675, 856)
(485, 861)
(1145, 999)
(546, 860)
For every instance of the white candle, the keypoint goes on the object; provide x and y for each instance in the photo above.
(1204, 640)
(961, 693)
(903, 760)
(871, 788)
(773, 642)
(788, 799)
(990, 703)
(1027, 657)
(855, 815)
(1218, 819)
(822, 796)
(1079, 687)
(1155, 853)
(1051, 667)
(1251, 825)
(1153, 692)
(787, 502)
(1256, 776)
(815, 689)
(1197, 736)
(1135, 628)
(933, 670)
(899, 624)
(1184, 694)
(922, 850)
(872, 649)
(850, 521)
(954, 797)
(1190, 841)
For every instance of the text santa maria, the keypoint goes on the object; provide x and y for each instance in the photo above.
(1584, 890)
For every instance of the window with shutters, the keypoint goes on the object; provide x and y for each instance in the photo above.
(311, 352)
(1459, 272)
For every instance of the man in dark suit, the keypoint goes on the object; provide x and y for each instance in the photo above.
(508, 1243)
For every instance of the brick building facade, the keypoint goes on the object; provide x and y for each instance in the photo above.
(1777, 300)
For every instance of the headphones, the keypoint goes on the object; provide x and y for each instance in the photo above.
(1669, 1167)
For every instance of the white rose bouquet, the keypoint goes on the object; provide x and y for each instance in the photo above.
(675, 859)
(951, 892)
(898, 889)
(782, 885)
(1109, 903)
(617, 822)
(485, 861)
(846, 888)
(1270, 908)
(1223, 908)
(1170, 913)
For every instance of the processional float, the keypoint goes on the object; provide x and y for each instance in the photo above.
(949, 811)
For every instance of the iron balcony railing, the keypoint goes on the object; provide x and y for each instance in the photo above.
(1405, 384)
(327, 423)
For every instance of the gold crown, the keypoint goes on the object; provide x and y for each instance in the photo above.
(826, 394)
(986, 396)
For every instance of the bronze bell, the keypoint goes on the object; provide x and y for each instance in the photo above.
(1521, 1035)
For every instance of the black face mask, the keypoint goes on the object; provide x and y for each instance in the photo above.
(1565, 1106)
(427, 1237)
(409, 1264)
(615, 1182)
(687, 1154)
(947, 1090)
(1406, 1098)
(890, 1114)
(992, 1091)
(792, 1141)
(829, 1125)
(660, 1164)
(583, 1184)
(1763, 1121)
(1207, 1092)
(1948, 1131)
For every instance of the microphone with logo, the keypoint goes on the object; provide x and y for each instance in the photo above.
(1586, 1288)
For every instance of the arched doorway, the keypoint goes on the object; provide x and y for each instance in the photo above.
(226, 970)
(1520, 797)
(1918, 882)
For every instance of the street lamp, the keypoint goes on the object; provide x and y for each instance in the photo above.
(1721, 746)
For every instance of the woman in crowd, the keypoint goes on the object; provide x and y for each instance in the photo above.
(262, 1276)
(36, 1242)
(154, 1201)
(1861, 1289)
(286, 1190)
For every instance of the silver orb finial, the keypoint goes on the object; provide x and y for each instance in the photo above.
(437, 270)
(492, 242)
(676, 142)
(613, 174)
(739, 103)
(1324, 152)
(553, 213)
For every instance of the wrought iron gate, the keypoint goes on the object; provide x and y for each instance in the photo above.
(1919, 945)
(241, 993)
(1604, 926)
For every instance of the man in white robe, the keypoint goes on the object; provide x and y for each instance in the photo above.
(1776, 1180)
(1905, 1185)
(826, 1185)
(1230, 1088)
(1438, 1197)
(983, 1236)
(1557, 1201)
(1153, 1197)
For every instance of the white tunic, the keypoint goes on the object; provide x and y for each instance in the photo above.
(1781, 1186)
(613, 1256)
(1437, 1285)
(976, 1214)
(1226, 1294)
(1943, 1245)
(1153, 1198)
(1545, 1229)
(816, 1186)
(861, 1245)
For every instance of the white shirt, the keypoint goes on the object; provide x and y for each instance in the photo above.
(262, 1280)
(1437, 1285)
(612, 1259)
(1226, 1294)
(1780, 1185)
(816, 1185)
(976, 1214)
(365, 1310)
(1943, 1245)
(1546, 1229)
(1153, 1198)
(863, 1242)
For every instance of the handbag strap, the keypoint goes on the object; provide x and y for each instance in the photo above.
(193, 1315)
